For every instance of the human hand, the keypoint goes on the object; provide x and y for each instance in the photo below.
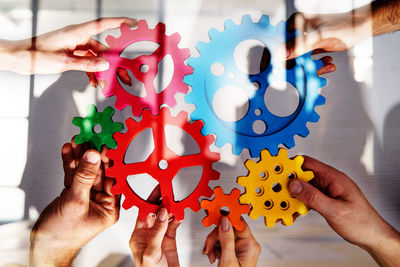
(340, 201)
(153, 241)
(69, 48)
(323, 33)
(230, 246)
(84, 208)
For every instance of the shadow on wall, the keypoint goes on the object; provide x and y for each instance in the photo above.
(50, 126)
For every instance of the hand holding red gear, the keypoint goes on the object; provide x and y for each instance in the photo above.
(213, 207)
(168, 46)
(151, 166)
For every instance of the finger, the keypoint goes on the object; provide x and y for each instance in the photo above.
(85, 63)
(124, 76)
(92, 79)
(98, 26)
(327, 65)
(85, 175)
(68, 163)
(76, 149)
(295, 22)
(153, 249)
(324, 174)
(246, 232)
(211, 240)
(227, 240)
(172, 227)
(312, 197)
(301, 45)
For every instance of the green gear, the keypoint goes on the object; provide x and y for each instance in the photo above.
(108, 128)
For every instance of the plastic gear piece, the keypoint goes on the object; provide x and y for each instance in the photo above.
(214, 206)
(240, 134)
(267, 187)
(151, 165)
(108, 128)
(168, 46)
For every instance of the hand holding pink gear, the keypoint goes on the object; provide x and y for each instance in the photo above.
(168, 46)
(151, 165)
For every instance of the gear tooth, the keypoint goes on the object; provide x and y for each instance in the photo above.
(182, 116)
(188, 79)
(265, 154)
(208, 192)
(130, 122)
(303, 132)
(118, 126)
(146, 114)
(302, 209)
(264, 20)
(322, 81)
(197, 125)
(218, 142)
(214, 175)
(120, 105)
(246, 19)
(235, 193)
(283, 153)
(176, 37)
(307, 176)
(195, 206)
(160, 28)
(243, 199)
(218, 191)
(250, 165)
(212, 33)
(269, 221)
(142, 23)
(253, 214)
(125, 29)
(186, 54)
(314, 117)
(77, 121)
(320, 100)
(289, 143)
(287, 220)
(201, 46)
(229, 23)
(236, 149)
(298, 161)
(110, 40)
(91, 110)
(108, 111)
(241, 180)
(281, 28)
(193, 61)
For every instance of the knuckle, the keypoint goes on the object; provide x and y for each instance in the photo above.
(311, 197)
(87, 63)
(85, 176)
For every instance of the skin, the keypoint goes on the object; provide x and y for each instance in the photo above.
(84, 208)
(69, 48)
(340, 201)
(323, 33)
(153, 241)
(231, 247)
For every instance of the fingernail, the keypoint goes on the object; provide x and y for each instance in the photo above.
(162, 215)
(92, 157)
(225, 224)
(102, 65)
(331, 68)
(295, 187)
(211, 258)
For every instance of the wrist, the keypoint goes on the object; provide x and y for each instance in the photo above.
(15, 55)
(51, 255)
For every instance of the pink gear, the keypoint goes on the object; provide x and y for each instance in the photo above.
(168, 46)
(151, 165)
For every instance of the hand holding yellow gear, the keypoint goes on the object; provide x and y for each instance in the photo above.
(267, 187)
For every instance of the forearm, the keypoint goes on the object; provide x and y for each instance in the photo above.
(43, 257)
(385, 16)
(386, 250)
(15, 55)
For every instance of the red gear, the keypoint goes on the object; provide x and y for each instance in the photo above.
(168, 46)
(221, 200)
(204, 158)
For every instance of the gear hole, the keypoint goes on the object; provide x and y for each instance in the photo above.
(230, 103)
(180, 141)
(277, 187)
(284, 205)
(163, 164)
(259, 191)
(217, 69)
(278, 169)
(144, 68)
(136, 88)
(142, 184)
(263, 175)
(97, 128)
(186, 181)
(140, 48)
(165, 74)
(144, 143)
(292, 176)
(224, 211)
(268, 204)
(281, 98)
(252, 56)
(259, 127)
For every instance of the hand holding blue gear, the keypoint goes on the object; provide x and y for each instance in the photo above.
(103, 119)
(205, 84)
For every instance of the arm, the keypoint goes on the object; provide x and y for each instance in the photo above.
(338, 32)
(231, 247)
(84, 208)
(340, 201)
(69, 48)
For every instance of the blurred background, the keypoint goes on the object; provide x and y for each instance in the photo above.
(358, 133)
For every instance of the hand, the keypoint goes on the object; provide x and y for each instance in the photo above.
(153, 241)
(231, 247)
(323, 33)
(340, 201)
(69, 48)
(84, 208)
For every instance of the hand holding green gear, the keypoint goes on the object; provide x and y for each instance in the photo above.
(105, 134)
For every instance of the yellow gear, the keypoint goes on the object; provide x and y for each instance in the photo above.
(267, 187)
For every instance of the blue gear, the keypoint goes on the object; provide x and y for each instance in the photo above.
(220, 49)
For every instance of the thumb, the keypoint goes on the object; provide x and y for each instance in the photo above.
(311, 197)
(86, 63)
(85, 175)
(227, 240)
(300, 45)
